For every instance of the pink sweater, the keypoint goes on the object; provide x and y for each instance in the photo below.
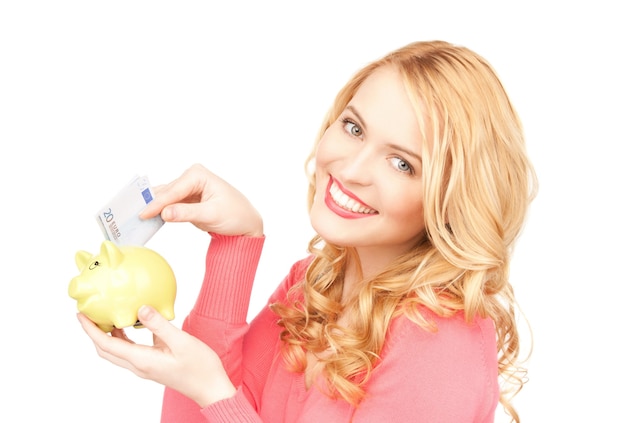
(446, 376)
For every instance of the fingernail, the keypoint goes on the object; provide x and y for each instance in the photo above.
(145, 312)
(167, 214)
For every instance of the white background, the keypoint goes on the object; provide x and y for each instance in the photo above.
(92, 93)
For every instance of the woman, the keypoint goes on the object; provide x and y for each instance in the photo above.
(419, 187)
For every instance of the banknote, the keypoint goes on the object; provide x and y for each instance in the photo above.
(119, 218)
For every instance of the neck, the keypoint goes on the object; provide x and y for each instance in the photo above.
(358, 268)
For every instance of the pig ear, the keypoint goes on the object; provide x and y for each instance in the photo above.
(82, 258)
(112, 253)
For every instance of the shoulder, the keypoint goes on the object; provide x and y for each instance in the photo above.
(295, 275)
(454, 366)
(299, 267)
(468, 348)
(297, 271)
(449, 333)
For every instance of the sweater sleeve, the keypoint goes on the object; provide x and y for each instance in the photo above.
(260, 349)
(218, 317)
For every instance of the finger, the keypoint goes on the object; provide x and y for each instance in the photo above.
(196, 213)
(112, 348)
(92, 330)
(157, 189)
(121, 334)
(101, 340)
(153, 208)
(160, 327)
(187, 188)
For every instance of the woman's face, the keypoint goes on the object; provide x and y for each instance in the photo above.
(368, 171)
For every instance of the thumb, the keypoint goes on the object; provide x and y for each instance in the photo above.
(155, 322)
(195, 213)
(180, 212)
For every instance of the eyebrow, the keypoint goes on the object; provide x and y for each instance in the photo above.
(394, 146)
(405, 151)
(358, 116)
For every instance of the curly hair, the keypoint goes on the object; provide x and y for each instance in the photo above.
(478, 184)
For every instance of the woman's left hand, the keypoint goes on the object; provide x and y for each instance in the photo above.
(176, 359)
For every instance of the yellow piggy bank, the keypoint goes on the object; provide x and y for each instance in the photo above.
(114, 284)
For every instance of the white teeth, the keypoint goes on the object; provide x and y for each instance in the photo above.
(348, 203)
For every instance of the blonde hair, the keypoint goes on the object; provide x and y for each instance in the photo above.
(478, 184)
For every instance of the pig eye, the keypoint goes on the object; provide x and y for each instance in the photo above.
(94, 265)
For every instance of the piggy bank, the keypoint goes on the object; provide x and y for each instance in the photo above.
(115, 283)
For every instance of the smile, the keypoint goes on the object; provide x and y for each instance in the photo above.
(344, 205)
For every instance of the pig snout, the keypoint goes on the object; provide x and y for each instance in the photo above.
(79, 289)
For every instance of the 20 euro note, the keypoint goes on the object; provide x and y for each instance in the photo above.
(119, 218)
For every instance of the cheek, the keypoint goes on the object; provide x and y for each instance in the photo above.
(416, 214)
(410, 210)
(322, 154)
(320, 169)
(333, 146)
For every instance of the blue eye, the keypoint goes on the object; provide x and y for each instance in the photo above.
(401, 165)
(352, 128)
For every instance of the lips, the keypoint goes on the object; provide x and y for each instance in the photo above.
(345, 204)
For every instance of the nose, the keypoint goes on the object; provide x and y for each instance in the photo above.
(79, 289)
(358, 167)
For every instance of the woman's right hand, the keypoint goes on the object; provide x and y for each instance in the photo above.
(176, 358)
(210, 203)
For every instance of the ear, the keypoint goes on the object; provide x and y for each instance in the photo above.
(112, 253)
(82, 258)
